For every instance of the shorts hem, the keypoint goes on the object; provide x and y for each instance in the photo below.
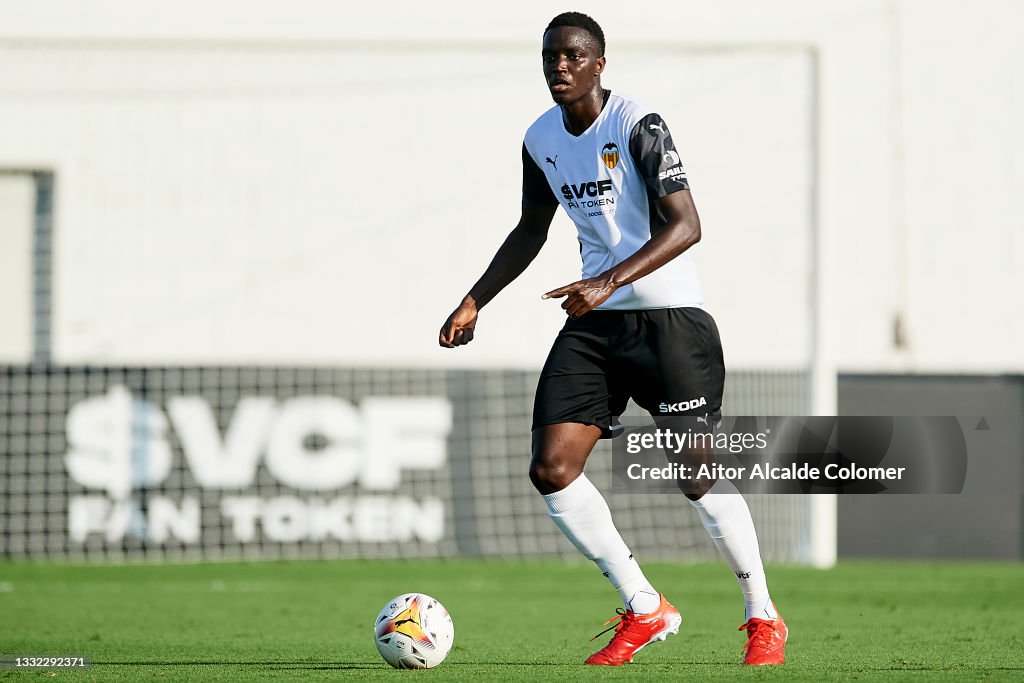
(608, 431)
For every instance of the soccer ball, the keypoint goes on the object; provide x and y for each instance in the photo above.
(414, 631)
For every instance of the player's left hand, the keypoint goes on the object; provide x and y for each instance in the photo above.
(583, 296)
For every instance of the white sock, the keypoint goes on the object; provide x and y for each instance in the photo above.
(582, 514)
(727, 519)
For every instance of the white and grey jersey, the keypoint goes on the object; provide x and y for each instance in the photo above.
(609, 180)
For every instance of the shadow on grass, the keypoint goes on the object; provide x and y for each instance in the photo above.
(277, 663)
(328, 666)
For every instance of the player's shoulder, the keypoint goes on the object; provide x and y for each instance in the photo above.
(545, 125)
(628, 108)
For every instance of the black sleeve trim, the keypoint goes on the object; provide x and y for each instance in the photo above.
(655, 155)
(536, 190)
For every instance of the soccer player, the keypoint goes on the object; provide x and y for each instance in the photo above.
(636, 328)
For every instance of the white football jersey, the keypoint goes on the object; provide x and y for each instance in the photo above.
(609, 180)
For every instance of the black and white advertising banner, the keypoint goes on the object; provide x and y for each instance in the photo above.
(227, 461)
(202, 463)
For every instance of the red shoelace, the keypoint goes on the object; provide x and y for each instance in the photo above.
(759, 633)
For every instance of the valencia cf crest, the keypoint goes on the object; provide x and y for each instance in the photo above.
(610, 155)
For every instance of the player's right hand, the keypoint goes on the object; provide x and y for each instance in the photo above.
(459, 327)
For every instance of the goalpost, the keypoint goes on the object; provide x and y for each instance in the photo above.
(824, 507)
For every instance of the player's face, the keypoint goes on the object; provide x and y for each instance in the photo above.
(571, 63)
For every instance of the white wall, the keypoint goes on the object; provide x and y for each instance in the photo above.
(963, 103)
(307, 183)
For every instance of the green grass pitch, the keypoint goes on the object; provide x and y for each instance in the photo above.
(513, 620)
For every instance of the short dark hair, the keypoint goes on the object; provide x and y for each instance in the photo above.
(579, 20)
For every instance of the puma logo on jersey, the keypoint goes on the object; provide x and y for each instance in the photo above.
(657, 126)
(553, 162)
(591, 189)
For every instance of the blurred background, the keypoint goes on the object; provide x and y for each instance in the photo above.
(228, 237)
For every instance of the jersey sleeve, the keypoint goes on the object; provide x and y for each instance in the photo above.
(655, 155)
(536, 191)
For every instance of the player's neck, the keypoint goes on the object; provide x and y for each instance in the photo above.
(578, 116)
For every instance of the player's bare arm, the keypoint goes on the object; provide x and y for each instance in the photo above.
(681, 231)
(516, 253)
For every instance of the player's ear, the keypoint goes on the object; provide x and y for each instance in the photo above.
(600, 65)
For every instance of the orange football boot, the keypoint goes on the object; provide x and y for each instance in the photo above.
(766, 641)
(634, 631)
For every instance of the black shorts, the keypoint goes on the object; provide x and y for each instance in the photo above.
(668, 360)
